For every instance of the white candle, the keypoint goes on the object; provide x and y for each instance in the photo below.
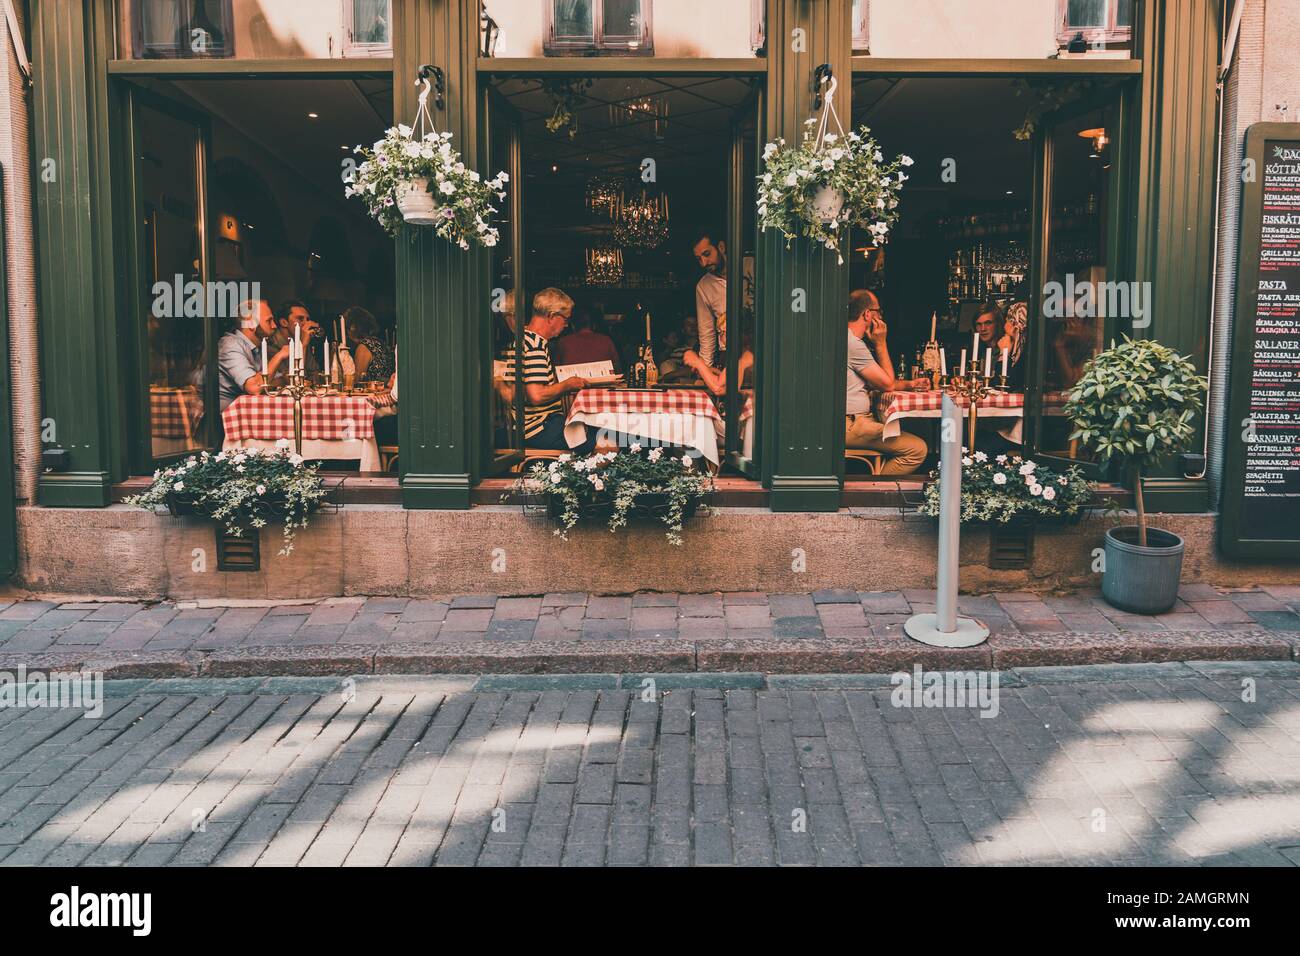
(962, 369)
(264, 373)
(943, 364)
(975, 346)
(343, 332)
(1004, 361)
(988, 364)
(326, 366)
(934, 325)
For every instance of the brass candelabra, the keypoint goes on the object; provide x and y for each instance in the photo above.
(972, 385)
(297, 386)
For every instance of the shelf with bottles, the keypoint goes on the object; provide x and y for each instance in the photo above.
(1078, 215)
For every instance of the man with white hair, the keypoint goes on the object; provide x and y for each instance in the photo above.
(239, 353)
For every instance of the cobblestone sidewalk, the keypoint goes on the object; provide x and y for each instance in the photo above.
(39, 626)
(1127, 764)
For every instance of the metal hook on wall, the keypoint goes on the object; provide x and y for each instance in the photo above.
(429, 72)
(823, 74)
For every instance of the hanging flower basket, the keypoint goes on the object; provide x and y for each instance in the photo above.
(829, 181)
(417, 205)
(414, 176)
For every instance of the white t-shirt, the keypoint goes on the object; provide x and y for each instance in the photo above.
(711, 315)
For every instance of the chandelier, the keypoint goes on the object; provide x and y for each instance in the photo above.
(604, 265)
(641, 223)
(603, 194)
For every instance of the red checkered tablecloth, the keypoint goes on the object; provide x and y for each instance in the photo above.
(677, 401)
(891, 406)
(174, 412)
(325, 418)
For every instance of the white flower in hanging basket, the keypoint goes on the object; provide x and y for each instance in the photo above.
(829, 181)
(403, 178)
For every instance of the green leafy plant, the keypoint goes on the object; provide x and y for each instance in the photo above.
(852, 164)
(619, 480)
(241, 488)
(464, 197)
(1046, 96)
(1136, 403)
(1001, 488)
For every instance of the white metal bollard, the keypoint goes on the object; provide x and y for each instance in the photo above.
(944, 628)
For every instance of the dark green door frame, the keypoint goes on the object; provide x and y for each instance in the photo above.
(8, 510)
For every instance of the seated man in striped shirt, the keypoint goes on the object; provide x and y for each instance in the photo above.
(543, 408)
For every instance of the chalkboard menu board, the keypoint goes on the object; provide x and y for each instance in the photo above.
(1261, 482)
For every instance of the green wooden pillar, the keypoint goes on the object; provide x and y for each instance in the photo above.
(1175, 180)
(440, 289)
(803, 353)
(72, 104)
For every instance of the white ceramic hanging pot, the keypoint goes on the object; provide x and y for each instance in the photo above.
(827, 203)
(417, 205)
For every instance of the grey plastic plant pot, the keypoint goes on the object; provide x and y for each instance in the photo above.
(1142, 580)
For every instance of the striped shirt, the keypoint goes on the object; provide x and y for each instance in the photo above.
(538, 370)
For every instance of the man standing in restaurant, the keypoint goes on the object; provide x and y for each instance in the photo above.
(543, 408)
(711, 299)
(239, 353)
(867, 371)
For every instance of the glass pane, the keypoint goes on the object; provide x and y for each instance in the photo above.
(161, 22)
(622, 18)
(168, 183)
(501, 317)
(371, 22)
(669, 28)
(1124, 15)
(573, 19)
(1087, 13)
(1076, 300)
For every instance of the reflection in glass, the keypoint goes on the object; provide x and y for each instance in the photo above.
(370, 22)
(1076, 303)
(573, 19)
(169, 150)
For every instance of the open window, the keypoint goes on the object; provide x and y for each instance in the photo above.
(596, 27)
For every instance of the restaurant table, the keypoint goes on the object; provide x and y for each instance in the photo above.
(679, 416)
(174, 417)
(335, 427)
(892, 407)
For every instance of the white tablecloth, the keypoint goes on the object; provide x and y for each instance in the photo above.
(365, 450)
(672, 428)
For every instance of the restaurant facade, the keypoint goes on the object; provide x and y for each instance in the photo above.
(208, 142)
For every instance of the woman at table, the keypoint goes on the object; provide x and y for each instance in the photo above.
(373, 358)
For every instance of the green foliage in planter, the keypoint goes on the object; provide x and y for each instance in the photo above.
(1137, 403)
(242, 488)
(619, 477)
(999, 489)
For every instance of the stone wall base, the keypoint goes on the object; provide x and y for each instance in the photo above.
(385, 550)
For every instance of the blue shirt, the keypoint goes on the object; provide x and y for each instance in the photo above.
(238, 360)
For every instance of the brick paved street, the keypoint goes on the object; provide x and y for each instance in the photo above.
(1123, 764)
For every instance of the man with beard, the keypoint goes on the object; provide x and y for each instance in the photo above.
(711, 299)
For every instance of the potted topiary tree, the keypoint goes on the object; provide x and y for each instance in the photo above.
(1135, 403)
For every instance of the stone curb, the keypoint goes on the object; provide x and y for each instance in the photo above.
(529, 657)
(759, 655)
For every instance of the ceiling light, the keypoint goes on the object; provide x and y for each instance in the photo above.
(313, 116)
(1098, 136)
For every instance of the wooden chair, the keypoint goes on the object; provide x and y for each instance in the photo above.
(388, 458)
(874, 460)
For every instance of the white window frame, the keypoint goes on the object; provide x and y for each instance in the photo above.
(355, 49)
(599, 43)
(1112, 32)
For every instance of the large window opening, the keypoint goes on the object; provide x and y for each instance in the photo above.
(623, 187)
(961, 261)
(239, 184)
